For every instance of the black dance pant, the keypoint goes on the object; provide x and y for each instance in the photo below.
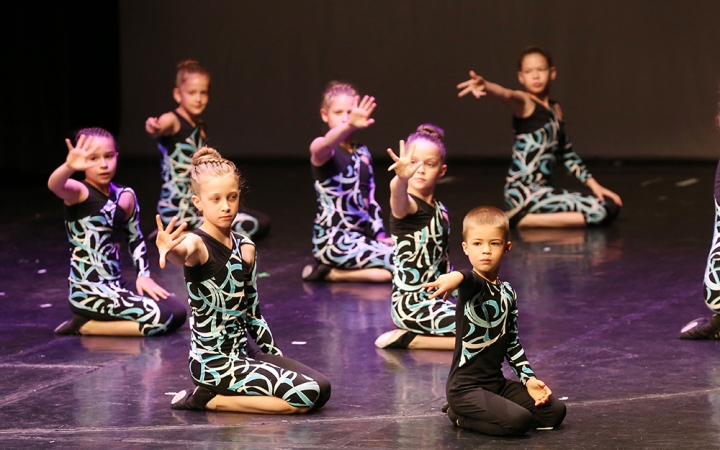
(509, 411)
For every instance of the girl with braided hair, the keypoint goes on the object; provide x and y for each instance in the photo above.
(349, 240)
(97, 213)
(220, 268)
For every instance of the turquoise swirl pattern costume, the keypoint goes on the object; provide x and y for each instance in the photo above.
(421, 255)
(96, 289)
(176, 153)
(541, 141)
(712, 268)
(224, 303)
(348, 218)
(479, 396)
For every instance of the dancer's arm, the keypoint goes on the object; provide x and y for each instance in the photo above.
(144, 284)
(178, 248)
(79, 158)
(445, 284)
(515, 354)
(257, 326)
(374, 208)
(401, 204)
(519, 102)
(323, 147)
(165, 125)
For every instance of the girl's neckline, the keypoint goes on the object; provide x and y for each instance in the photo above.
(230, 247)
(192, 123)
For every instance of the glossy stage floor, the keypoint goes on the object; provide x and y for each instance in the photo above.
(600, 310)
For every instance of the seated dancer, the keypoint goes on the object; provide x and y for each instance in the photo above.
(420, 229)
(179, 134)
(479, 396)
(540, 140)
(349, 241)
(709, 327)
(220, 271)
(97, 213)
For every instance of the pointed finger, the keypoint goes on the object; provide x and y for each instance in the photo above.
(401, 148)
(392, 155)
(464, 84)
(161, 263)
(178, 232)
(159, 223)
(69, 145)
(357, 101)
(80, 141)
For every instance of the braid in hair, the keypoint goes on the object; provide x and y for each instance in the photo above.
(208, 162)
(94, 132)
(336, 88)
(432, 133)
(187, 67)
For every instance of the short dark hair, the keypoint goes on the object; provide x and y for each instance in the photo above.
(535, 50)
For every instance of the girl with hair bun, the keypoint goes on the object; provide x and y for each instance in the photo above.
(97, 213)
(349, 240)
(179, 134)
(220, 268)
(420, 228)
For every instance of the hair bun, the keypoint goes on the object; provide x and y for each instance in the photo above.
(205, 155)
(431, 130)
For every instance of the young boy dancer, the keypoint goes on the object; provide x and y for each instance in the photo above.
(479, 396)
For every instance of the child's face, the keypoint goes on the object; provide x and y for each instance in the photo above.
(432, 168)
(193, 94)
(338, 110)
(485, 246)
(219, 199)
(536, 74)
(105, 158)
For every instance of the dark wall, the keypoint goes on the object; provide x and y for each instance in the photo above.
(60, 72)
(637, 79)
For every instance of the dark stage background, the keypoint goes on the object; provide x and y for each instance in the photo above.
(638, 80)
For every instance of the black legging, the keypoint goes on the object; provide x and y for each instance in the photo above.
(286, 363)
(170, 310)
(510, 411)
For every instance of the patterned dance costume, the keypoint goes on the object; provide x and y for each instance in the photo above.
(540, 140)
(479, 396)
(345, 231)
(176, 153)
(712, 269)
(224, 304)
(421, 255)
(96, 289)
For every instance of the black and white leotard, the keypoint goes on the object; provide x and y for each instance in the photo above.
(348, 218)
(541, 141)
(176, 153)
(421, 255)
(95, 228)
(224, 303)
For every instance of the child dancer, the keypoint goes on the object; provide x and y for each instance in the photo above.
(479, 396)
(179, 134)
(709, 327)
(220, 271)
(97, 211)
(540, 140)
(420, 227)
(349, 241)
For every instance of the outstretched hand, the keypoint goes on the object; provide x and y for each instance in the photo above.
(538, 391)
(152, 126)
(359, 116)
(475, 86)
(167, 239)
(403, 165)
(79, 158)
(444, 284)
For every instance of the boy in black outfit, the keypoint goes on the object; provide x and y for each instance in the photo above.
(479, 396)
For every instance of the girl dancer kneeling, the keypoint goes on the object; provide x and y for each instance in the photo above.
(179, 134)
(220, 269)
(97, 211)
(349, 241)
(420, 228)
(540, 140)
